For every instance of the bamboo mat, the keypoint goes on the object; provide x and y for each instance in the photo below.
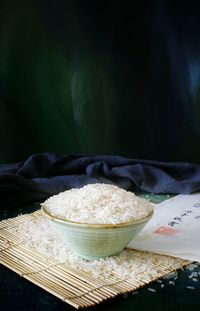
(74, 286)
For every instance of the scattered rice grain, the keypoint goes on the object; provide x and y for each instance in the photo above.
(191, 266)
(151, 290)
(129, 264)
(170, 275)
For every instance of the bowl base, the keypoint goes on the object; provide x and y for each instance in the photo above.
(91, 258)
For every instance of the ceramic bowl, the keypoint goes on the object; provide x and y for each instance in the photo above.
(94, 241)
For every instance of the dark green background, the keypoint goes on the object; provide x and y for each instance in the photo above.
(99, 77)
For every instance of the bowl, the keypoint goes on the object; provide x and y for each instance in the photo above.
(95, 241)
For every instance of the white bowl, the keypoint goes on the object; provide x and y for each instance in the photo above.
(94, 241)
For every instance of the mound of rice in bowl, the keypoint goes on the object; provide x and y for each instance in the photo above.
(98, 204)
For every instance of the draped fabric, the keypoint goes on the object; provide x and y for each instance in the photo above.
(46, 174)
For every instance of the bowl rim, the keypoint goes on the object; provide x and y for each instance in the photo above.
(62, 220)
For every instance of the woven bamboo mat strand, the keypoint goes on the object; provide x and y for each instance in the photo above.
(76, 287)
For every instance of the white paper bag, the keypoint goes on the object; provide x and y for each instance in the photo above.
(174, 229)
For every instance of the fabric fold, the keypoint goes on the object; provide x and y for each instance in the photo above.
(46, 174)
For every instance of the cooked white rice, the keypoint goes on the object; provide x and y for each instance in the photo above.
(98, 204)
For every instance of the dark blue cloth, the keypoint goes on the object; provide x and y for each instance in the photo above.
(45, 174)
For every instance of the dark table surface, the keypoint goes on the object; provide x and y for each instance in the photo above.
(17, 293)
